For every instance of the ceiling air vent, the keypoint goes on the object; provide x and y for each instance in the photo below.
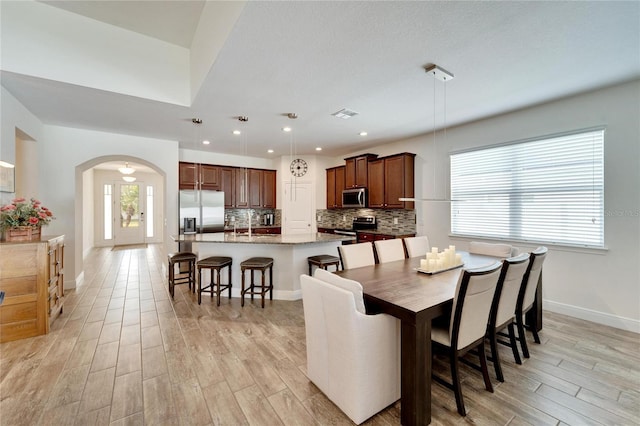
(344, 113)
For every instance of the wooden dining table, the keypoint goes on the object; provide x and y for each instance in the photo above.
(415, 298)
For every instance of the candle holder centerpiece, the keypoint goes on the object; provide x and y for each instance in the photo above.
(22, 220)
(435, 262)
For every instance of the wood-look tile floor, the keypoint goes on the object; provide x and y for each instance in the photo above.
(124, 353)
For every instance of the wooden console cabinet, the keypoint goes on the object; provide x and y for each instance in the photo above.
(32, 277)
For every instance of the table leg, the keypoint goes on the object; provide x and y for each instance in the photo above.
(415, 373)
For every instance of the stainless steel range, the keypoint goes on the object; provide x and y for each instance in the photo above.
(359, 223)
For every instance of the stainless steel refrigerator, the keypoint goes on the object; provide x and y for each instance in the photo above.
(207, 207)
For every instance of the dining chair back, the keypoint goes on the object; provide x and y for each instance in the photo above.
(389, 250)
(356, 255)
(504, 307)
(527, 295)
(467, 326)
(490, 249)
(353, 358)
(416, 246)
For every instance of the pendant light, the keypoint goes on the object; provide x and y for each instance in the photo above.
(438, 74)
(129, 178)
(126, 170)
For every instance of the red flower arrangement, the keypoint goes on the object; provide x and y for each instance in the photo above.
(24, 213)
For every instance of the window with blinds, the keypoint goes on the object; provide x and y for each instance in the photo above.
(547, 190)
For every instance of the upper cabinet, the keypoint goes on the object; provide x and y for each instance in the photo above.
(247, 188)
(392, 178)
(198, 176)
(356, 170)
(335, 186)
(262, 189)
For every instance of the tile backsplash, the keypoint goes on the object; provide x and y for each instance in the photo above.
(342, 218)
(241, 217)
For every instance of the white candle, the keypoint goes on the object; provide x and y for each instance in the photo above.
(434, 250)
(458, 259)
(432, 265)
(452, 248)
(423, 264)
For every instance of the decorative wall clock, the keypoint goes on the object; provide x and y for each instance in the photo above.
(298, 167)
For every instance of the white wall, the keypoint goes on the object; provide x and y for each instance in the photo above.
(597, 285)
(74, 150)
(88, 211)
(51, 43)
(15, 116)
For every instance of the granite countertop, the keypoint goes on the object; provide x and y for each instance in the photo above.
(225, 237)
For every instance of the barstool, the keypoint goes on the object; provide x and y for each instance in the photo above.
(213, 263)
(323, 261)
(257, 264)
(183, 277)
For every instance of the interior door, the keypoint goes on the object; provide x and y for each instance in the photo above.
(128, 214)
(298, 208)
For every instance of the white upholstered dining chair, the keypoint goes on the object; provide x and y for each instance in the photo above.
(417, 246)
(504, 308)
(467, 326)
(356, 255)
(527, 296)
(389, 250)
(490, 249)
(353, 358)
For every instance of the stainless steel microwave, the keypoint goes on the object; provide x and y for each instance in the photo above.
(356, 198)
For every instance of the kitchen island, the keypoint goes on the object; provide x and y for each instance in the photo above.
(289, 253)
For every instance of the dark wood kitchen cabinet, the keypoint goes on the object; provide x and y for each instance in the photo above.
(356, 170)
(262, 189)
(392, 178)
(335, 186)
(198, 176)
(248, 188)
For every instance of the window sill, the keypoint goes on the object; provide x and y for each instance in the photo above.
(533, 244)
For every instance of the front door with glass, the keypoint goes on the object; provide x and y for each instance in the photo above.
(129, 223)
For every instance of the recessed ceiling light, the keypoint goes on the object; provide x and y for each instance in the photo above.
(344, 113)
(205, 142)
(318, 148)
(270, 151)
(363, 133)
(286, 129)
(236, 132)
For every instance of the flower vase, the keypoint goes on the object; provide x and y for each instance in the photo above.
(22, 233)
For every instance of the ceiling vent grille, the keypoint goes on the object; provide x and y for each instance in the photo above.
(345, 113)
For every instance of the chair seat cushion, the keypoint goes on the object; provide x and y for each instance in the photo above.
(353, 286)
(323, 259)
(257, 262)
(180, 256)
(214, 261)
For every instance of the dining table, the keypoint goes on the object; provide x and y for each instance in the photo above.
(399, 289)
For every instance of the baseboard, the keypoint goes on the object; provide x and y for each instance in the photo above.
(622, 323)
(70, 284)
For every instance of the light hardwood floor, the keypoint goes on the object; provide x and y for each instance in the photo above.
(124, 353)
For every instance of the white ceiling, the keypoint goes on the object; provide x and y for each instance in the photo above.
(315, 58)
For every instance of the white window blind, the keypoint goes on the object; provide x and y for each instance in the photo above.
(546, 190)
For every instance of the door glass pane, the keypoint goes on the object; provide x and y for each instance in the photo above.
(149, 211)
(108, 220)
(129, 206)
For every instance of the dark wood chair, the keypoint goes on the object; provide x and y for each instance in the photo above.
(186, 273)
(261, 264)
(214, 264)
(467, 326)
(503, 309)
(323, 261)
(526, 298)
